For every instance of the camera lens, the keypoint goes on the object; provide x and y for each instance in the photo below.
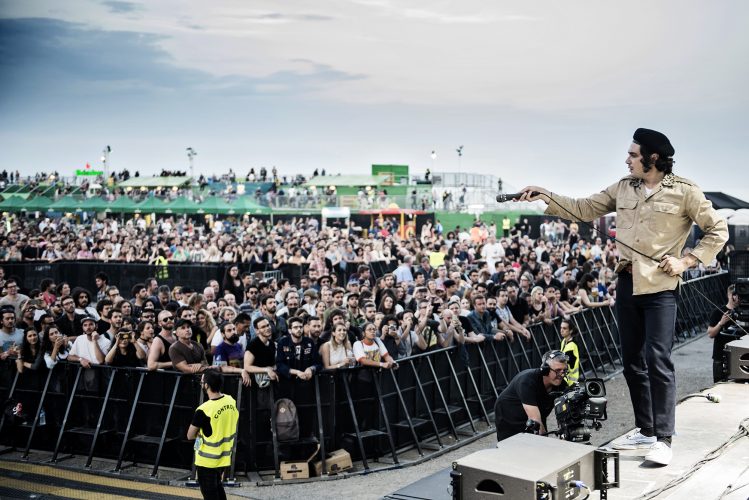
(594, 388)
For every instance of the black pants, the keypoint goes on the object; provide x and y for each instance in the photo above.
(646, 327)
(209, 480)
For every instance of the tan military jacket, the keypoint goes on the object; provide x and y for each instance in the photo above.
(655, 225)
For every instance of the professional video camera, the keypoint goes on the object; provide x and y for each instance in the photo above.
(736, 330)
(740, 312)
(580, 410)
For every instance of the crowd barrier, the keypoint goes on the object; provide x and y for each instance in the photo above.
(133, 416)
(194, 275)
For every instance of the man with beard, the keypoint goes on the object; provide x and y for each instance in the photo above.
(158, 354)
(230, 352)
(291, 305)
(250, 304)
(115, 323)
(352, 308)
(268, 311)
(313, 329)
(82, 300)
(297, 361)
(90, 348)
(140, 297)
(104, 308)
(69, 322)
(547, 278)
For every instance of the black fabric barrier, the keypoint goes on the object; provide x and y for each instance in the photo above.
(125, 275)
(137, 416)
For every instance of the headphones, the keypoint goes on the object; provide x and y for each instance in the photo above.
(546, 358)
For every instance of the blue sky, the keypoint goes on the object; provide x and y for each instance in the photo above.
(544, 93)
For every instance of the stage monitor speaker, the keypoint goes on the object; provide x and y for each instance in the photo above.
(519, 464)
(737, 359)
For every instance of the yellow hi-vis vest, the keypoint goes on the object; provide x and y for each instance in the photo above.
(215, 451)
(573, 375)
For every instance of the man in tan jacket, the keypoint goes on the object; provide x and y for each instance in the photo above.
(654, 214)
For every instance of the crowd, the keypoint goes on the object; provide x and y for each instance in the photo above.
(449, 288)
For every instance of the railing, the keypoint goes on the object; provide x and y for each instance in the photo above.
(434, 402)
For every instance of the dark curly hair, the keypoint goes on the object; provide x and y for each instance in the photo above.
(664, 164)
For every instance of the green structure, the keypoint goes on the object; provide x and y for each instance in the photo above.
(398, 174)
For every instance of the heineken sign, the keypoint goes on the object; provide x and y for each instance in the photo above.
(88, 171)
(93, 173)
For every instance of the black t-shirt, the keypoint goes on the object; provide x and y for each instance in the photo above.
(519, 310)
(130, 359)
(203, 421)
(526, 388)
(265, 355)
(720, 340)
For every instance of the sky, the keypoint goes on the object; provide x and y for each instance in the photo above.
(537, 92)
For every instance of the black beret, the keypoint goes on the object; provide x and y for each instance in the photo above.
(654, 141)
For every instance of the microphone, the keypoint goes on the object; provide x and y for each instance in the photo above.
(503, 197)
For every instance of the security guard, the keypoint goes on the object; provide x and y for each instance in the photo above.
(214, 427)
(569, 347)
(654, 214)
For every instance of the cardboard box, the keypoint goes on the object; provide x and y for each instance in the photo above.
(336, 462)
(297, 469)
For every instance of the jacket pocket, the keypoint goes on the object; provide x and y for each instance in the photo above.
(665, 216)
(626, 210)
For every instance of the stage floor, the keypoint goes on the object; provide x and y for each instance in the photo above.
(702, 427)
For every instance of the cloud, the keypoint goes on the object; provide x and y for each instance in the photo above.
(277, 16)
(121, 7)
(63, 58)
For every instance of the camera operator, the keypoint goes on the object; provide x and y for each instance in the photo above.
(528, 396)
(718, 326)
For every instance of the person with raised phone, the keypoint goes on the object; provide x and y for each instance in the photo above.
(655, 210)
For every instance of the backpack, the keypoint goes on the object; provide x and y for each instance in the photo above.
(287, 421)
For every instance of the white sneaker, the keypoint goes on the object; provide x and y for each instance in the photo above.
(660, 453)
(634, 441)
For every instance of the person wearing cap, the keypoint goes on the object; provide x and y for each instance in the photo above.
(187, 355)
(90, 348)
(655, 210)
(353, 313)
(310, 301)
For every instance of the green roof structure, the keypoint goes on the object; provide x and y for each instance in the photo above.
(152, 205)
(12, 204)
(122, 205)
(37, 204)
(215, 205)
(65, 204)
